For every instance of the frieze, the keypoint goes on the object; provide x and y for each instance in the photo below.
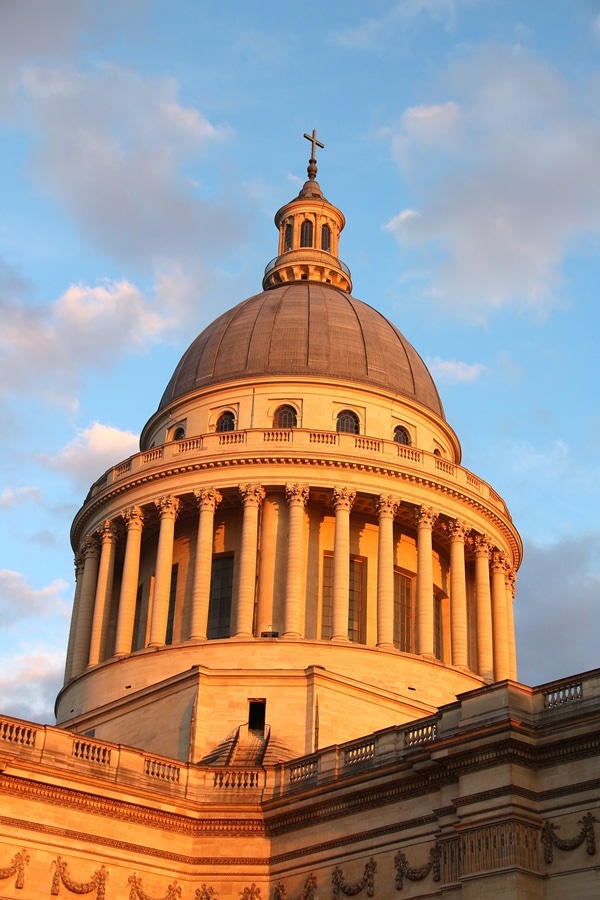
(136, 891)
(340, 885)
(205, 893)
(307, 892)
(17, 867)
(251, 893)
(416, 873)
(549, 838)
(61, 876)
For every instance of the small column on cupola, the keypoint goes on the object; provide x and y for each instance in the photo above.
(309, 231)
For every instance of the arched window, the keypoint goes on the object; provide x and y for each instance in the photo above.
(287, 241)
(285, 417)
(306, 234)
(179, 433)
(326, 238)
(226, 421)
(348, 422)
(401, 435)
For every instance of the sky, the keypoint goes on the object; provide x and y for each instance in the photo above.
(145, 147)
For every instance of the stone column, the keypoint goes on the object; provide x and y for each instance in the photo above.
(425, 518)
(297, 497)
(108, 542)
(458, 594)
(252, 497)
(511, 584)
(343, 500)
(208, 499)
(386, 510)
(499, 617)
(134, 520)
(81, 646)
(168, 508)
(485, 663)
(79, 565)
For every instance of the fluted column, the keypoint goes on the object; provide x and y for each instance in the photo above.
(108, 542)
(458, 594)
(296, 496)
(252, 497)
(425, 518)
(168, 508)
(79, 566)
(498, 568)
(208, 499)
(485, 663)
(510, 584)
(343, 500)
(81, 646)
(134, 520)
(386, 510)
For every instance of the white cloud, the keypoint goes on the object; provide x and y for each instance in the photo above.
(29, 683)
(376, 31)
(91, 452)
(18, 600)
(505, 177)
(556, 609)
(452, 371)
(14, 496)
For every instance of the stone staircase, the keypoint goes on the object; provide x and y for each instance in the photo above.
(249, 748)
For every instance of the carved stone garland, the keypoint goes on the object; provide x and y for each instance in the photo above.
(251, 893)
(136, 892)
(17, 867)
(351, 890)
(586, 833)
(307, 892)
(416, 873)
(205, 893)
(97, 883)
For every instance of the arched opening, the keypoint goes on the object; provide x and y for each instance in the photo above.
(287, 239)
(306, 234)
(285, 417)
(401, 435)
(348, 422)
(326, 238)
(226, 421)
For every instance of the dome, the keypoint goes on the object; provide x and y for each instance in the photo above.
(304, 329)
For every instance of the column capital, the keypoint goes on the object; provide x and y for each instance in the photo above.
(107, 532)
(511, 578)
(386, 506)
(252, 494)
(458, 530)
(297, 494)
(425, 517)
(343, 498)
(498, 561)
(167, 506)
(482, 546)
(89, 547)
(79, 563)
(208, 498)
(134, 518)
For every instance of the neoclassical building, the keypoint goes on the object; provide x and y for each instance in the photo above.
(291, 664)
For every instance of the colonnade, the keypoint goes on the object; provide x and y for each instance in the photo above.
(95, 566)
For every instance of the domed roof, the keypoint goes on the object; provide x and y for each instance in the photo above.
(304, 329)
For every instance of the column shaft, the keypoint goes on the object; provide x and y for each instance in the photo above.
(168, 507)
(79, 566)
(208, 500)
(499, 618)
(108, 543)
(343, 499)
(386, 508)
(81, 647)
(512, 648)
(458, 594)
(425, 617)
(485, 663)
(297, 496)
(134, 520)
(252, 496)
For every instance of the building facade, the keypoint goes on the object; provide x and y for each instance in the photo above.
(291, 668)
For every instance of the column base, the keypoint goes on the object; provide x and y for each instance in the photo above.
(384, 645)
(292, 635)
(340, 639)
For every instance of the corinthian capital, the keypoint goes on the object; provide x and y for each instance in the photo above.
(167, 506)
(386, 506)
(107, 532)
(482, 545)
(343, 498)
(297, 494)
(425, 516)
(208, 498)
(134, 518)
(252, 494)
(458, 530)
(498, 561)
(89, 546)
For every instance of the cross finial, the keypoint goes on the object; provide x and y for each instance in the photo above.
(312, 165)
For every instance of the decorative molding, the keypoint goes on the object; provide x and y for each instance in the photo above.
(136, 892)
(205, 893)
(417, 873)
(17, 867)
(251, 893)
(586, 833)
(307, 892)
(97, 883)
(351, 890)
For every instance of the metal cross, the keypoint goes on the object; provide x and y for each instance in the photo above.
(313, 139)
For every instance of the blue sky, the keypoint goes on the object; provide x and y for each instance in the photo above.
(145, 147)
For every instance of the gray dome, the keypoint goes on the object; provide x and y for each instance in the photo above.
(304, 329)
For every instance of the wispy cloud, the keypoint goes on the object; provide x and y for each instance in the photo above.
(18, 600)
(373, 32)
(453, 371)
(13, 496)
